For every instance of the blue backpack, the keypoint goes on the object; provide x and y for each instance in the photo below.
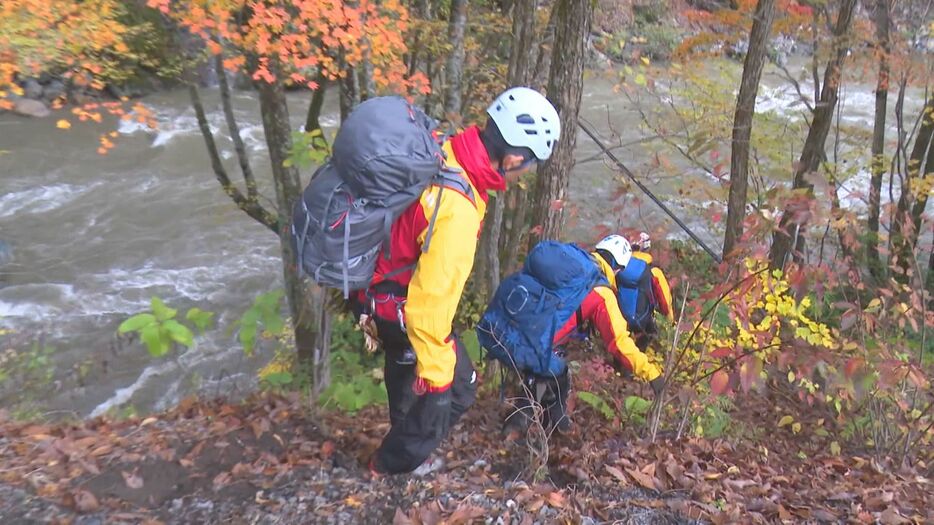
(636, 297)
(530, 306)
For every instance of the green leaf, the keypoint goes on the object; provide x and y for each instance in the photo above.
(636, 405)
(248, 338)
(179, 332)
(162, 311)
(201, 319)
(345, 396)
(472, 344)
(136, 322)
(835, 448)
(597, 403)
(269, 300)
(279, 378)
(640, 79)
(274, 323)
(152, 338)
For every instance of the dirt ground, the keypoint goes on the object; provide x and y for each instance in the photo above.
(268, 460)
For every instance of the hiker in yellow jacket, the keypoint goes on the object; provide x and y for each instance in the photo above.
(413, 296)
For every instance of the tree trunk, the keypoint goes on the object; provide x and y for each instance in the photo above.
(305, 305)
(545, 51)
(494, 245)
(877, 167)
(929, 279)
(565, 86)
(813, 152)
(313, 119)
(742, 122)
(925, 169)
(454, 73)
(349, 90)
(909, 208)
(522, 55)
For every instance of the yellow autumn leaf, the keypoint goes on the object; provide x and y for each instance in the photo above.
(785, 420)
(646, 61)
(835, 448)
(63, 124)
(796, 427)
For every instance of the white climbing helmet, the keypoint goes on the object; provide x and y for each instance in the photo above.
(526, 119)
(618, 247)
(644, 243)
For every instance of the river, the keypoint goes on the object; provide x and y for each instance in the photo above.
(94, 237)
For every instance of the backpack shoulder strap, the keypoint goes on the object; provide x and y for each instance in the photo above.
(447, 178)
(453, 178)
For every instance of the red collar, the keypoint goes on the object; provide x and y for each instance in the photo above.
(470, 153)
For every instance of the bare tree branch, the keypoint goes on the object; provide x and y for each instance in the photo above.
(234, 129)
(250, 207)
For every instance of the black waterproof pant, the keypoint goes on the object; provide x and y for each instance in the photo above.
(551, 392)
(408, 445)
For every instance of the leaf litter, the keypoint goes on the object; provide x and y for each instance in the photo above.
(269, 459)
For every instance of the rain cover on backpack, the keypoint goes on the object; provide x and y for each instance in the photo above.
(636, 296)
(384, 156)
(530, 306)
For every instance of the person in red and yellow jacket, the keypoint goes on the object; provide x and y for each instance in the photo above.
(643, 290)
(600, 310)
(428, 374)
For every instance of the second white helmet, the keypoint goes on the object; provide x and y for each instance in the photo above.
(526, 119)
(618, 247)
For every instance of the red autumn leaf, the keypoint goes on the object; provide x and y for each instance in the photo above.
(852, 366)
(721, 352)
(556, 205)
(719, 382)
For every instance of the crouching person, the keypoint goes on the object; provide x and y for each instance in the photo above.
(643, 291)
(536, 311)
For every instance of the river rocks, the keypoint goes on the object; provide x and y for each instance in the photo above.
(53, 90)
(32, 89)
(30, 108)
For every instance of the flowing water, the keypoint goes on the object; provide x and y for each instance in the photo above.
(94, 237)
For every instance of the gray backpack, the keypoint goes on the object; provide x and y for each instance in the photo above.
(384, 157)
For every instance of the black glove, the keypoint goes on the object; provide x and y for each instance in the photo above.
(657, 385)
(433, 411)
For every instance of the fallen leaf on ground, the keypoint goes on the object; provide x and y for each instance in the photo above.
(85, 501)
(641, 479)
(132, 480)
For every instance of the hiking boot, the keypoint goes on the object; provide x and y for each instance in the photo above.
(376, 470)
(564, 425)
(430, 465)
(517, 421)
